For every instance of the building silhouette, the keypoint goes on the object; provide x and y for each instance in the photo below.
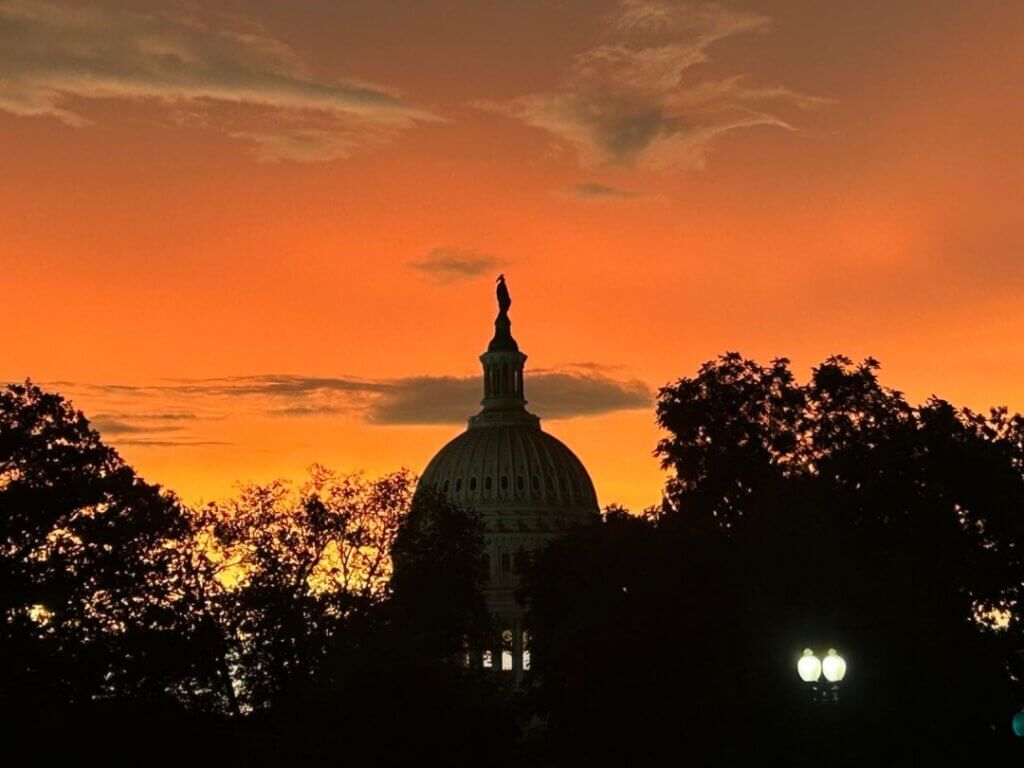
(527, 486)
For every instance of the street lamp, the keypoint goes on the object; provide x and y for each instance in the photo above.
(834, 666)
(810, 669)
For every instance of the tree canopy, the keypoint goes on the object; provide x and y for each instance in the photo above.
(265, 626)
(826, 514)
(85, 546)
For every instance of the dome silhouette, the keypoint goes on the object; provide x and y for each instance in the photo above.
(494, 468)
(527, 486)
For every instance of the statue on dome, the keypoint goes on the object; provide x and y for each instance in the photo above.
(504, 300)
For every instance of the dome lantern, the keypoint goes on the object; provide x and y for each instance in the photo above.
(504, 397)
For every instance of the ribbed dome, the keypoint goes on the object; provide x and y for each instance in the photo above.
(506, 466)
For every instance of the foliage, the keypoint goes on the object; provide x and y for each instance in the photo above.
(266, 626)
(271, 575)
(85, 546)
(439, 578)
(396, 675)
(831, 513)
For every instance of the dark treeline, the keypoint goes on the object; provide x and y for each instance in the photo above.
(265, 629)
(331, 621)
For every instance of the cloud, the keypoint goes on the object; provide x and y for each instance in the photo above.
(143, 442)
(181, 411)
(630, 101)
(583, 389)
(447, 265)
(552, 394)
(427, 400)
(275, 385)
(564, 395)
(270, 385)
(224, 73)
(116, 424)
(592, 191)
(308, 411)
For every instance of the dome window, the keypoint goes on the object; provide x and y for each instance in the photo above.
(472, 483)
(458, 485)
(551, 483)
(520, 483)
(488, 483)
(506, 651)
(504, 482)
(536, 483)
(445, 488)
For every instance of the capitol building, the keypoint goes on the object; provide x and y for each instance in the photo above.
(527, 486)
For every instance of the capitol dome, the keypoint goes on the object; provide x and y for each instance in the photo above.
(527, 486)
(495, 467)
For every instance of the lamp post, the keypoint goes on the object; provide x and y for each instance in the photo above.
(810, 669)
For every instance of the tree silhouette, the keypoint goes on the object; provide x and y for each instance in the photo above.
(270, 575)
(393, 685)
(437, 589)
(278, 624)
(85, 552)
(826, 514)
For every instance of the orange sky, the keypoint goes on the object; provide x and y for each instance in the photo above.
(268, 198)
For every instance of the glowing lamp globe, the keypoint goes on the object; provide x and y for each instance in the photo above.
(1018, 724)
(809, 667)
(834, 666)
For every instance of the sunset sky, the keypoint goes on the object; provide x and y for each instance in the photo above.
(247, 236)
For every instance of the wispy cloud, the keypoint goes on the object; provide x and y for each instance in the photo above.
(270, 385)
(308, 411)
(447, 265)
(228, 74)
(568, 392)
(632, 100)
(146, 442)
(593, 191)
(183, 411)
(119, 424)
(274, 385)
